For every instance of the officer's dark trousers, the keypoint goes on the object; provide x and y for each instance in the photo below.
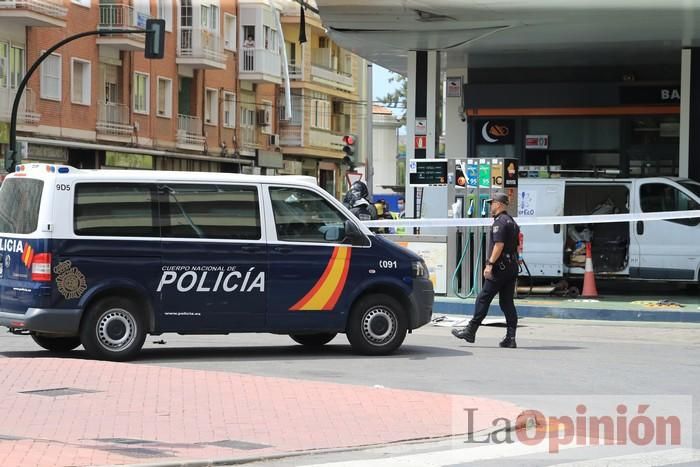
(504, 285)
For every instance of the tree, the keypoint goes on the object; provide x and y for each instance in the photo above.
(397, 98)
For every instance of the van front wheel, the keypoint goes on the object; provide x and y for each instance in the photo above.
(56, 344)
(377, 325)
(114, 329)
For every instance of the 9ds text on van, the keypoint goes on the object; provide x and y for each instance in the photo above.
(103, 258)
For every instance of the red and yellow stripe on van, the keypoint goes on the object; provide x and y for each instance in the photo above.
(325, 294)
(28, 255)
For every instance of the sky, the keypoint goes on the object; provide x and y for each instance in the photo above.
(381, 87)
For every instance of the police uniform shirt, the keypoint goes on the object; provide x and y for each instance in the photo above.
(505, 230)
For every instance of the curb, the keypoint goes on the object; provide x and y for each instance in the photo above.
(292, 454)
(559, 312)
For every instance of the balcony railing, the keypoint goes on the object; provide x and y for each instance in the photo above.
(114, 119)
(291, 135)
(334, 76)
(26, 114)
(189, 130)
(200, 44)
(295, 70)
(325, 139)
(53, 8)
(261, 61)
(123, 16)
(249, 136)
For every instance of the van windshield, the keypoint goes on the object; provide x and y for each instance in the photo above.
(694, 187)
(20, 199)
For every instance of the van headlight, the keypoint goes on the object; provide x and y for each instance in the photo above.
(420, 270)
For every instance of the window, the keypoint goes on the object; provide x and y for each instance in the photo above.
(660, 197)
(16, 65)
(229, 32)
(4, 60)
(214, 18)
(211, 107)
(204, 16)
(165, 11)
(186, 13)
(165, 97)
(321, 114)
(229, 110)
(80, 81)
(115, 210)
(322, 42)
(51, 78)
(270, 38)
(247, 117)
(141, 93)
(225, 212)
(20, 200)
(304, 216)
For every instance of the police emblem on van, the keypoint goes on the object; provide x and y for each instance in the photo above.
(70, 281)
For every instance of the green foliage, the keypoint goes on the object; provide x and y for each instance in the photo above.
(397, 98)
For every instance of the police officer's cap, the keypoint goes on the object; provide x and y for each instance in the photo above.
(500, 197)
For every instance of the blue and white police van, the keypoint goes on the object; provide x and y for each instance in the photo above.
(103, 258)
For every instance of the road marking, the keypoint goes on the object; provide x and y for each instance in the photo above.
(493, 452)
(663, 457)
(448, 457)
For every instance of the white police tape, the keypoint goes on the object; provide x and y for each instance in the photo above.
(485, 222)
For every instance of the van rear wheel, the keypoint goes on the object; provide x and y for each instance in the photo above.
(114, 329)
(313, 340)
(377, 325)
(56, 344)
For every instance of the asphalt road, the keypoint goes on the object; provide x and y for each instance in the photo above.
(555, 357)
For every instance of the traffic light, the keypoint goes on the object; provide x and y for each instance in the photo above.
(349, 148)
(11, 160)
(155, 38)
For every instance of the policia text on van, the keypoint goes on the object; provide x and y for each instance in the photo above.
(102, 258)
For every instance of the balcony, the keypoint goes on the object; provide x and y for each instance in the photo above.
(114, 120)
(26, 114)
(325, 69)
(34, 13)
(296, 71)
(121, 17)
(327, 140)
(189, 133)
(260, 66)
(200, 49)
(291, 135)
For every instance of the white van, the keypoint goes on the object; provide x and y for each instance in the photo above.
(656, 250)
(103, 258)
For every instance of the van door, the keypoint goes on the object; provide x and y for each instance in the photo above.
(214, 258)
(309, 263)
(542, 244)
(667, 249)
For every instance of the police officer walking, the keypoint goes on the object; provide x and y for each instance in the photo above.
(500, 274)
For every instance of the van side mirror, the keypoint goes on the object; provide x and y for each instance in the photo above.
(353, 235)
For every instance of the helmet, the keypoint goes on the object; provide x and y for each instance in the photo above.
(359, 190)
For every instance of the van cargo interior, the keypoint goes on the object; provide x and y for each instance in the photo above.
(609, 242)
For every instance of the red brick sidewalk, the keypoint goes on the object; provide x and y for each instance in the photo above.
(143, 414)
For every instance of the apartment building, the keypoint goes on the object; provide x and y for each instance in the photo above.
(98, 103)
(328, 101)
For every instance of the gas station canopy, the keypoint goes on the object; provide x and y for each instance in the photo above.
(515, 33)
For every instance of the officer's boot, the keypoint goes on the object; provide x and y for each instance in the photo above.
(509, 341)
(468, 333)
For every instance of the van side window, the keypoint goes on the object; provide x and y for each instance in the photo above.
(226, 212)
(115, 210)
(305, 216)
(660, 197)
(20, 200)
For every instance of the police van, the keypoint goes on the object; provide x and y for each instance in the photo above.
(103, 258)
